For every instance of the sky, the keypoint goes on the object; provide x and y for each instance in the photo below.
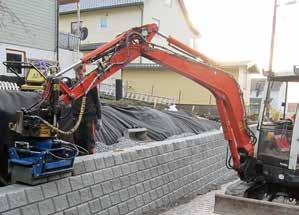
(241, 30)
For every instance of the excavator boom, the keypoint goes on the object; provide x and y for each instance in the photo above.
(136, 42)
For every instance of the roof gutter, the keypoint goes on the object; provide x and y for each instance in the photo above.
(102, 8)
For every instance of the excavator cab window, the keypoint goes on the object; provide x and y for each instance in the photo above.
(278, 119)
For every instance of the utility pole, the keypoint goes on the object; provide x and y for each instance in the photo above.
(273, 36)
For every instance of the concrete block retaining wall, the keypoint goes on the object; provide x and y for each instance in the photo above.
(133, 181)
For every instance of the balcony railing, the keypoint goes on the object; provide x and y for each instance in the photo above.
(69, 41)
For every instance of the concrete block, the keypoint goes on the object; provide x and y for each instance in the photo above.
(134, 156)
(152, 206)
(96, 190)
(153, 195)
(133, 178)
(159, 192)
(76, 182)
(95, 206)
(87, 179)
(153, 183)
(166, 179)
(153, 161)
(145, 209)
(167, 147)
(131, 204)
(126, 157)
(85, 195)
(46, 207)
(105, 202)
(34, 194)
(165, 189)
(117, 159)
(79, 167)
(139, 201)
(108, 174)
(146, 198)
(133, 167)
(98, 176)
(99, 162)
(83, 209)
(159, 181)
(147, 152)
(73, 198)
(140, 176)
(140, 165)
(71, 211)
(132, 191)
(154, 172)
(140, 188)
(116, 171)
(123, 208)
(103, 213)
(124, 194)
(125, 181)
(63, 186)
(125, 168)
(140, 153)
(109, 161)
(107, 187)
(89, 165)
(155, 151)
(116, 184)
(17, 199)
(60, 203)
(113, 211)
(147, 174)
(147, 163)
(30, 210)
(147, 185)
(115, 198)
(3, 203)
(49, 189)
(13, 212)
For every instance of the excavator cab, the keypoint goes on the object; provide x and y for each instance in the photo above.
(278, 130)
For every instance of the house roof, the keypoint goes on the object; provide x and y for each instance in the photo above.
(86, 5)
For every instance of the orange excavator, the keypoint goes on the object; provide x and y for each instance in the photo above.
(256, 158)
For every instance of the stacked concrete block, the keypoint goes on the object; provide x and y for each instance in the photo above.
(132, 181)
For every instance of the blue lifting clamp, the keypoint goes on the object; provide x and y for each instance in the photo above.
(40, 158)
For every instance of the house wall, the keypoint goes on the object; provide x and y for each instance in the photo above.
(28, 24)
(66, 57)
(119, 20)
(172, 20)
(169, 84)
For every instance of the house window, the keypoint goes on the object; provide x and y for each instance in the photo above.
(104, 22)
(168, 3)
(15, 55)
(74, 27)
(157, 22)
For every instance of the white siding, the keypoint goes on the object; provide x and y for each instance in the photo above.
(28, 23)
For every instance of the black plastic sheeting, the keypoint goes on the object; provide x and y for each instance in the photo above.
(10, 103)
(160, 124)
(115, 120)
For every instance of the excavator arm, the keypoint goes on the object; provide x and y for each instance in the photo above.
(135, 43)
